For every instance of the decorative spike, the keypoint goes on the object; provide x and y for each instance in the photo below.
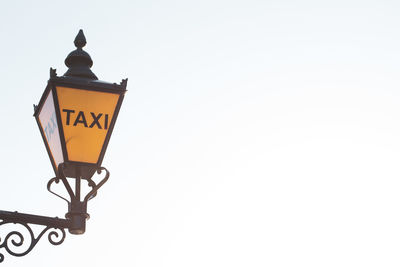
(53, 73)
(124, 82)
(80, 39)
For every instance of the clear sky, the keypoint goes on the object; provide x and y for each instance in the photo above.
(254, 133)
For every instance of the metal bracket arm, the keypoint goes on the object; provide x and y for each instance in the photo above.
(16, 217)
(14, 241)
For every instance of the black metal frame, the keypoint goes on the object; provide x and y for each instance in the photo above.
(81, 84)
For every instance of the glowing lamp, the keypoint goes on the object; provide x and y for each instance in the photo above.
(77, 113)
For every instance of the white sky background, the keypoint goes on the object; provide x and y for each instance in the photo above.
(254, 133)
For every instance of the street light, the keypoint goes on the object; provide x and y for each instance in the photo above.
(76, 116)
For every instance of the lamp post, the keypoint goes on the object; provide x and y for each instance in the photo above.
(76, 116)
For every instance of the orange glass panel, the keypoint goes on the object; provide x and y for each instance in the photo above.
(86, 118)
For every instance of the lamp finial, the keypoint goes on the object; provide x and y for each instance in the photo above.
(78, 61)
(80, 40)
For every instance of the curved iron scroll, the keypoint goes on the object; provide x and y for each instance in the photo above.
(95, 186)
(50, 182)
(15, 239)
(73, 195)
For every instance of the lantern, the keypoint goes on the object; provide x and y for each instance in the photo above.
(76, 116)
(77, 113)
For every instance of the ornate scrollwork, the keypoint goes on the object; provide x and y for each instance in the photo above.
(19, 243)
(49, 184)
(95, 186)
(93, 192)
(15, 239)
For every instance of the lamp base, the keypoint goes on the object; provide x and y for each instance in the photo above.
(77, 214)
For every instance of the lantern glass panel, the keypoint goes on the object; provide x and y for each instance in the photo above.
(49, 125)
(86, 117)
